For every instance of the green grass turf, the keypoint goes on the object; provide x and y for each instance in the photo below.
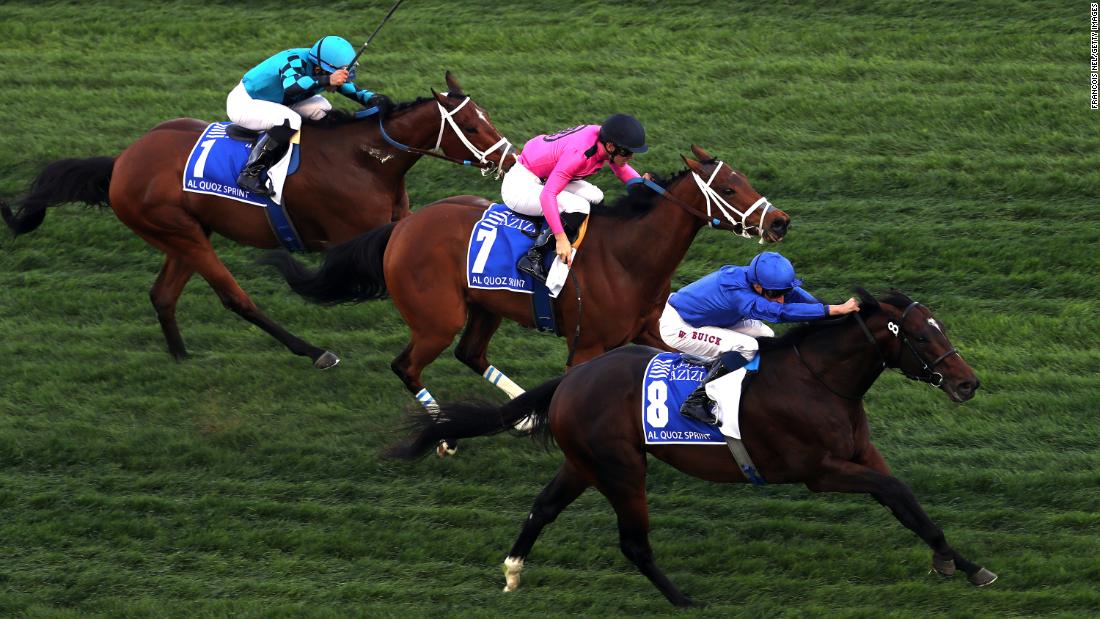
(943, 148)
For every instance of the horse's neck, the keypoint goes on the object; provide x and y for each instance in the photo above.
(417, 126)
(650, 247)
(845, 359)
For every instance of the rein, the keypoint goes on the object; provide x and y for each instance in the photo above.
(713, 199)
(446, 118)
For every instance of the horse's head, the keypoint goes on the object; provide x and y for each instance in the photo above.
(916, 343)
(730, 203)
(472, 133)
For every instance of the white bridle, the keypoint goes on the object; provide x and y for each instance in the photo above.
(725, 208)
(446, 118)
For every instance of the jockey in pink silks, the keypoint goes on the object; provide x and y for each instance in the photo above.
(548, 180)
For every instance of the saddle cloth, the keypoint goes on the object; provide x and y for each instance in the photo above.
(217, 159)
(497, 242)
(668, 381)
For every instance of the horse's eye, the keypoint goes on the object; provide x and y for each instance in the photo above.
(470, 129)
(921, 339)
(726, 191)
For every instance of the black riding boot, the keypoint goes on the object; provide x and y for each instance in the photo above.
(266, 152)
(571, 223)
(698, 405)
(531, 262)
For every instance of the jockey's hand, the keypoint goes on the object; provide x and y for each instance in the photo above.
(562, 247)
(338, 78)
(647, 176)
(849, 306)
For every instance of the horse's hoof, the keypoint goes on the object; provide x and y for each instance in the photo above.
(943, 567)
(443, 449)
(982, 578)
(326, 360)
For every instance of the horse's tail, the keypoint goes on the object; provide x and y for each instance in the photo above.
(465, 420)
(64, 180)
(351, 271)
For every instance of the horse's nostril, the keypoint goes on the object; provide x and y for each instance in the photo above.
(779, 225)
(967, 387)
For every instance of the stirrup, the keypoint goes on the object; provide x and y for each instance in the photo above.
(700, 407)
(532, 267)
(256, 183)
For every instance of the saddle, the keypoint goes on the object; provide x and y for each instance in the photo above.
(242, 134)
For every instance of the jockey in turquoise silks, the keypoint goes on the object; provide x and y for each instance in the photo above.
(274, 95)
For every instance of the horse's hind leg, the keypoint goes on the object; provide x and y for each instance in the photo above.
(621, 478)
(474, 344)
(891, 492)
(164, 295)
(184, 239)
(567, 485)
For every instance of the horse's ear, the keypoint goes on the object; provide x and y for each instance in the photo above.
(439, 97)
(701, 154)
(865, 298)
(452, 83)
(693, 164)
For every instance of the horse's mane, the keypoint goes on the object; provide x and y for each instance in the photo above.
(638, 199)
(339, 118)
(868, 307)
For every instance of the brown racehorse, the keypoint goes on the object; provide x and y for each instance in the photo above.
(802, 421)
(633, 248)
(351, 179)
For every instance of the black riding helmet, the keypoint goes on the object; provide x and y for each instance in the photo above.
(625, 131)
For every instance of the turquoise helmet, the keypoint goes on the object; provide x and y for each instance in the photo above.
(773, 272)
(332, 53)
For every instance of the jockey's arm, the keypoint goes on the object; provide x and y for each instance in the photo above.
(352, 92)
(624, 172)
(296, 81)
(799, 295)
(759, 308)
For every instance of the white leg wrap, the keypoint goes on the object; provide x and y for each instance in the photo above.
(502, 382)
(427, 401)
(512, 567)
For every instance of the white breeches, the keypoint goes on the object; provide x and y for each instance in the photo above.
(521, 190)
(710, 342)
(260, 115)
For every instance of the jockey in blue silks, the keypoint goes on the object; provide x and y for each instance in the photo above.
(274, 95)
(720, 316)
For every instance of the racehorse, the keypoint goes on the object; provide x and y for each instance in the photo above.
(636, 245)
(802, 421)
(351, 179)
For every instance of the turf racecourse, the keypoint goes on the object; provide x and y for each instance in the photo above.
(943, 148)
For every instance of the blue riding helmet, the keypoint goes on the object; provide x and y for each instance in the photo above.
(332, 53)
(773, 272)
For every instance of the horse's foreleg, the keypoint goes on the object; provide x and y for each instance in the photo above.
(555, 497)
(891, 492)
(164, 294)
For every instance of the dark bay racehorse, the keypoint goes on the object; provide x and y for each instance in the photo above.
(351, 179)
(633, 248)
(802, 421)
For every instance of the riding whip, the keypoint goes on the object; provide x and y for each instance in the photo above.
(371, 37)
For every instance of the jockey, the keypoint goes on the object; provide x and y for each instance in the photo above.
(275, 94)
(720, 316)
(547, 180)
